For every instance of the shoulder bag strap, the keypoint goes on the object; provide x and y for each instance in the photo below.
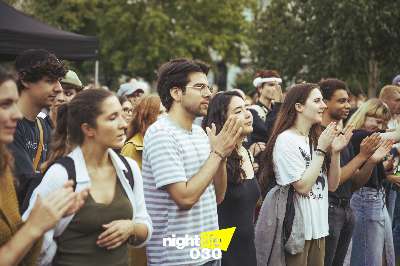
(40, 145)
(69, 165)
(128, 173)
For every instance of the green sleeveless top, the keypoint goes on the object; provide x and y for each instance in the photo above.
(77, 244)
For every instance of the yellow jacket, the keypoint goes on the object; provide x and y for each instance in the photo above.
(133, 148)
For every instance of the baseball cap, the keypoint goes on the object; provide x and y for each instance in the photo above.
(396, 80)
(72, 78)
(128, 88)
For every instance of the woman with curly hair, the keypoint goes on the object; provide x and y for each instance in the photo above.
(38, 85)
(242, 193)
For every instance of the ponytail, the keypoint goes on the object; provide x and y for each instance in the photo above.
(59, 144)
(83, 108)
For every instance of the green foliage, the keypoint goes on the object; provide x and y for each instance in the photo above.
(71, 15)
(244, 81)
(279, 40)
(137, 36)
(320, 38)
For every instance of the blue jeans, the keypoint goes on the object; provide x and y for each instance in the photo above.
(373, 229)
(396, 226)
(391, 202)
(341, 226)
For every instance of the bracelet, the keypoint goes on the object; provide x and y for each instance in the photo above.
(321, 151)
(219, 154)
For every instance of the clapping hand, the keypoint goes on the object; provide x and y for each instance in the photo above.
(369, 145)
(48, 211)
(327, 136)
(342, 139)
(382, 151)
(227, 139)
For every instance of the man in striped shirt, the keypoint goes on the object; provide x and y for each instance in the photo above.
(184, 171)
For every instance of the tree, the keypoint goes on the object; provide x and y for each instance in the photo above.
(244, 81)
(279, 40)
(350, 39)
(136, 36)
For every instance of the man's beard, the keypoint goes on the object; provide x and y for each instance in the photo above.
(338, 116)
(196, 112)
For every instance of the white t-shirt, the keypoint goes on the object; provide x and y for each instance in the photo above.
(291, 157)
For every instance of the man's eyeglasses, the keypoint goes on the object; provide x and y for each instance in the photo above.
(204, 89)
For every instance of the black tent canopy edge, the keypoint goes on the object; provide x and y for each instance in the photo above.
(19, 32)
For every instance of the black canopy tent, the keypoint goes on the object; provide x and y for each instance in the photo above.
(19, 32)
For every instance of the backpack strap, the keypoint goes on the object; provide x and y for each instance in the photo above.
(69, 165)
(39, 150)
(289, 215)
(66, 162)
(128, 174)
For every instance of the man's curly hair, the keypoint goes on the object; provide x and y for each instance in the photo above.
(34, 64)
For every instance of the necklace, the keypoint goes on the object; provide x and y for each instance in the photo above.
(302, 134)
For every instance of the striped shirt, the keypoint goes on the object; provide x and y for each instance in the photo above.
(172, 154)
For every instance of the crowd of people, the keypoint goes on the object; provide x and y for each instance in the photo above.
(306, 176)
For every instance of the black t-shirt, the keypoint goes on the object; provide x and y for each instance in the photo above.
(23, 148)
(263, 129)
(378, 173)
(344, 190)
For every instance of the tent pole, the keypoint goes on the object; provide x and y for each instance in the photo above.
(96, 74)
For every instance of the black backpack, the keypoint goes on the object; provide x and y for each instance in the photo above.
(69, 165)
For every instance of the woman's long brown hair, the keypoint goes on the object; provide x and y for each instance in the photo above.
(285, 120)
